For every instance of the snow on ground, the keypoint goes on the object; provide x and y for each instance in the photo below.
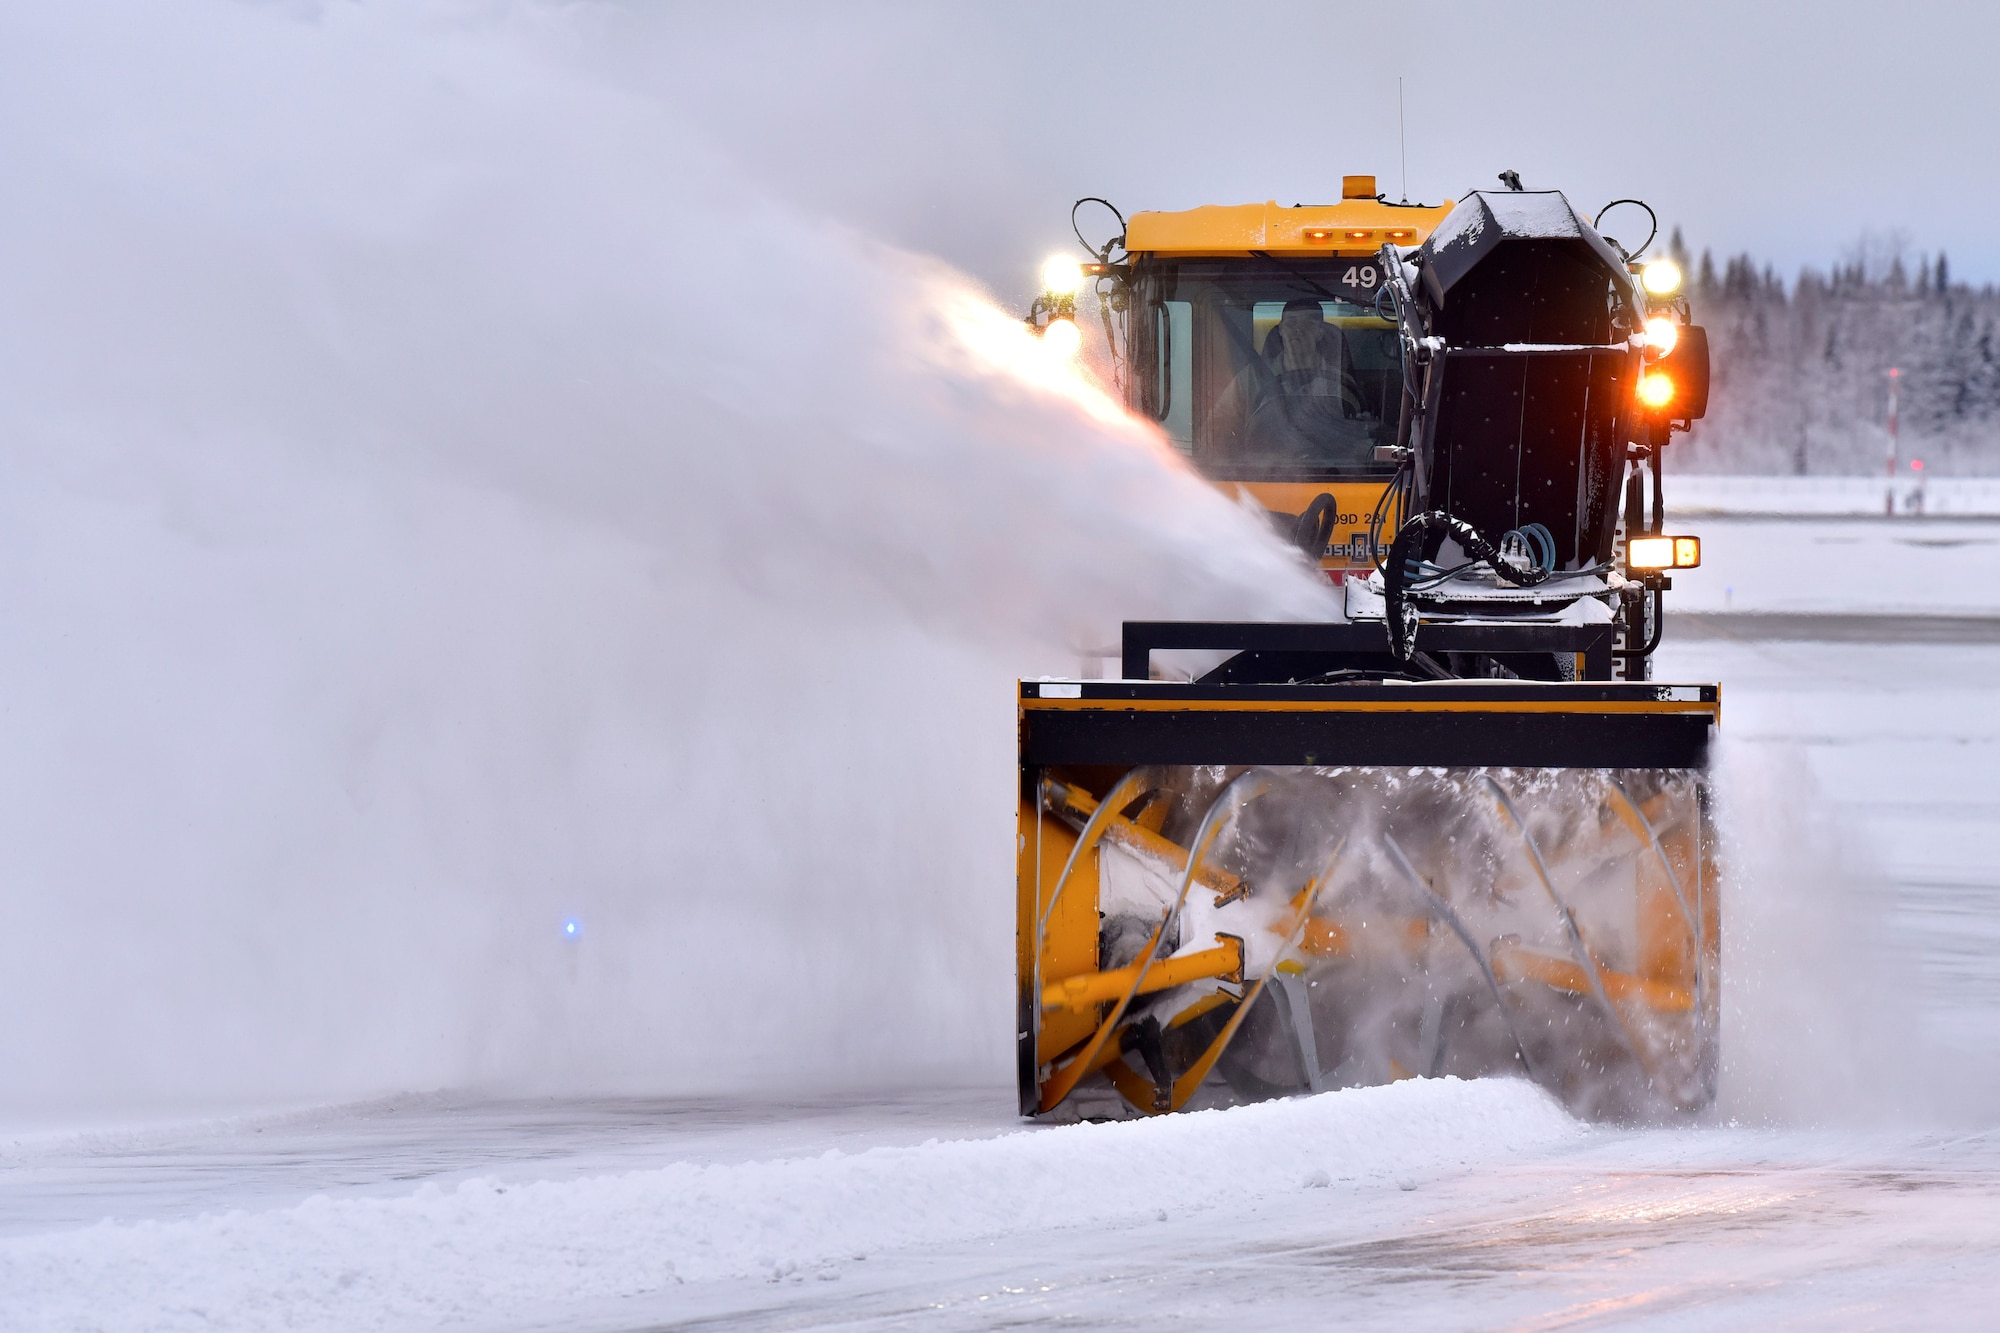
(1822, 545)
(485, 1246)
(1931, 566)
(1851, 1180)
(1447, 1205)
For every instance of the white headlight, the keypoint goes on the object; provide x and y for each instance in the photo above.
(1662, 277)
(1063, 336)
(1061, 277)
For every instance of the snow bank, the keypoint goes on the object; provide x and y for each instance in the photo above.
(484, 1250)
(1697, 493)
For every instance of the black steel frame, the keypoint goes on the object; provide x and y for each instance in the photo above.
(1142, 637)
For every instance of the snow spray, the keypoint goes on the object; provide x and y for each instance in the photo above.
(1819, 1025)
(494, 598)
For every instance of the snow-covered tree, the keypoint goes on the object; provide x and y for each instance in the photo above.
(1801, 378)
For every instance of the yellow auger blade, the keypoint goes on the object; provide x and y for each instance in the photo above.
(1525, 884)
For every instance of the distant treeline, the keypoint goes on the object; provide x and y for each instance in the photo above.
(1801, 377)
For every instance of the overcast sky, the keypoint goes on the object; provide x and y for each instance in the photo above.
(967, 130)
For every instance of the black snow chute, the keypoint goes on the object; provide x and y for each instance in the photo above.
(1523, 269)
(1528, 315)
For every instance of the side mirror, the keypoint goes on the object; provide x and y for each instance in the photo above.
(1687, 366)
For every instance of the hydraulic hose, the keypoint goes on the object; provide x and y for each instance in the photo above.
(1314, 528)
(1399, 615)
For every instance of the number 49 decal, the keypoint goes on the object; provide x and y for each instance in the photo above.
(1362, 275)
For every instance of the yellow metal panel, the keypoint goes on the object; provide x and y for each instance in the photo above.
(1416, 704)
(1354, 503)
(1666, 937)
(1513, 963)
(1144, 841)
(1140, 1093)
(1070, 945)
(1090, 989)
(1353, 227)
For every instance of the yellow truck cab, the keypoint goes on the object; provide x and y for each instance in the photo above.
(1260, 340)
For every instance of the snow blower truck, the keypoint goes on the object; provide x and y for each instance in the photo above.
(1458, 829)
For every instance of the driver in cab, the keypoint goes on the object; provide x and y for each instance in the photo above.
(1296, 401)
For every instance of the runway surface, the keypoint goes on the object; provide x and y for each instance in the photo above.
(1851, 1178)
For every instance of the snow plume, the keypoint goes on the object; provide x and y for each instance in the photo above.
(492, 597)
(1818, 1021)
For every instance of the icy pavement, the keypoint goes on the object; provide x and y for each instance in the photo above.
(1664, 1229)
(487, 1246)
(53, 1180)
(1454, 1205)
(1438, 1205)
(1837, 566)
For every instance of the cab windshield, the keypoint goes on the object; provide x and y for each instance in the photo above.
(1269, 369)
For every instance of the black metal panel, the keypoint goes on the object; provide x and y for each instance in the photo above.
(1530, 292)
(1557, 402)
(1026, 1083)
(1128, 737)
(1566, 694)
(1687, 365)
(1519, 268)
(1530, 437)
(1606, 431)
(1476, 468)
(1143, 636)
